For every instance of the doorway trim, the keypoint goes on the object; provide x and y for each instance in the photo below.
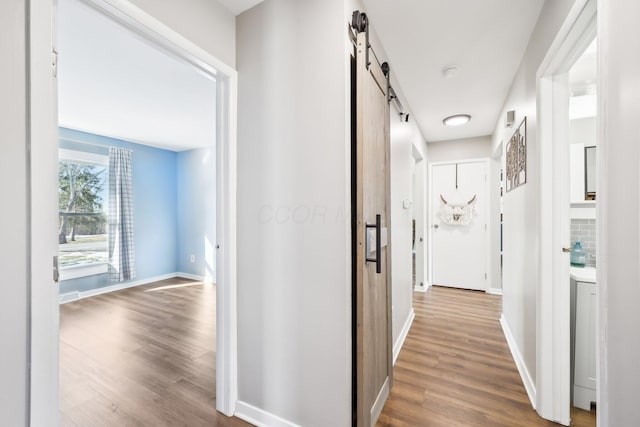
(553, 364)
(43, 380)
(420, 204)
(430, 207)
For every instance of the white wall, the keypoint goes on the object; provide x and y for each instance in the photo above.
(205, 22)
(13, 253)
(403, 136)
(196, 205)
(294, 241)
(402, 165)
(618, 212)
(583, 131)
(521, 206)
(294, 231)
(459, 149)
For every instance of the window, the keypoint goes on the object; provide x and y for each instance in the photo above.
(82, 227)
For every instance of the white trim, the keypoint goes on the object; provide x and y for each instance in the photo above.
(78, 295)
(553, 365)
(529, 385)
(259, 417)
(602, 238)
(494, 291)
(419, 288)
(430, 207)
(83, 270)
(403, 335)
(191, 276)
(43, 351)
(43, 354)
(83, 156)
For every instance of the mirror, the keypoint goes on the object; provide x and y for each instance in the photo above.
(590, 173)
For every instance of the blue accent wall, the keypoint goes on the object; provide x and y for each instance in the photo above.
(155, 208)
(197, 212)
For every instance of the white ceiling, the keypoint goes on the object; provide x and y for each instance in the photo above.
(115, 83)
(485, 39)
(239, 6)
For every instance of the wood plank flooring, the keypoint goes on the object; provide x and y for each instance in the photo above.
(144, 356)
(455, 368)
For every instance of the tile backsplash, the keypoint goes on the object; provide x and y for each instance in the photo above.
(584, 230)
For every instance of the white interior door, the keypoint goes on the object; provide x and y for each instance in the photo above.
(459, 254)
(44, 408)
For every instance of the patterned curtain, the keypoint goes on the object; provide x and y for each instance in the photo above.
(121, 247)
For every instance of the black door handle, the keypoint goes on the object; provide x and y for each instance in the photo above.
(378, 257)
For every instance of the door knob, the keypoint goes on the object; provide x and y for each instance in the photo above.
(566, 250)
(421, 239)
(435, 226)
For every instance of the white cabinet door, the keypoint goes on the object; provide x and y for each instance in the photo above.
(585, 359)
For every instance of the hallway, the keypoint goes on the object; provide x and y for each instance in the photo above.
(455, 368)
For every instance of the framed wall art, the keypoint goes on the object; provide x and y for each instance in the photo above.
(516, 157)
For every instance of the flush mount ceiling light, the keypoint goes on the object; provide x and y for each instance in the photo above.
(457, 120)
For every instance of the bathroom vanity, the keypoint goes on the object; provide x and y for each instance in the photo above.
(583, 336)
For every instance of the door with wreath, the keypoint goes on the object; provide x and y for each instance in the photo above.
(459, 219)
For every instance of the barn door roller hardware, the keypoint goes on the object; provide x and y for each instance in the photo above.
(359, 24)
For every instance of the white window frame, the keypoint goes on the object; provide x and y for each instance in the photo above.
(94, 268)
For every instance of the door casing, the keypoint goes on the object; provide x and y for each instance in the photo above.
(552, 398)
(44, 317)
(419, 214)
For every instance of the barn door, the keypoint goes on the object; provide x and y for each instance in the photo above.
(373, 261)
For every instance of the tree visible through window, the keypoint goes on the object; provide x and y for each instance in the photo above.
(82, 233)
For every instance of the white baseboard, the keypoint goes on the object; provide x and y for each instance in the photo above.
(258, 417)
(529, 385)
(69, 296)
(494, 291)
(190, 276)
(378, 405)
(76, 295)
(403, 335)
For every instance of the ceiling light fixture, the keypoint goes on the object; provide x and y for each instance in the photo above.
(457, 120)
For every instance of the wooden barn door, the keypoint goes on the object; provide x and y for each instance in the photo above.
(372, 226)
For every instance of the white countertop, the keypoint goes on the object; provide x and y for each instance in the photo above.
(583, 274)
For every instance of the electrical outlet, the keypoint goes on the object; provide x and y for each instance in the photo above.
(193, 258)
